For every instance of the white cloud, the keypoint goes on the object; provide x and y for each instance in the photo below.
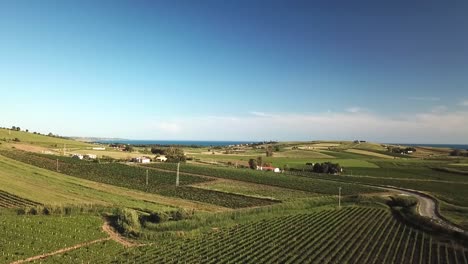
(464, 103)
(439, 109)
(430, 127)
(355, 109)
(169, 127)
(261, 114)
(424, 98)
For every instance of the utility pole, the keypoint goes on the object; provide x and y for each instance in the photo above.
(146, 177)
(57, 165)
(177, 179)
(339, 197)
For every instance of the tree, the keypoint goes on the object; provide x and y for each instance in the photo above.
(253, 164)
(174, 154)
(128, 148)
(18, 128)
(269, 151)
(456, 152)
(317, 168)
(160, 151)
(277, 148)
(260, 161)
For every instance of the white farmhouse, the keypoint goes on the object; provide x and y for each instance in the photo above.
(77, 156)
(90, 156)
(142, 160)
(99, 148)
(161, 158)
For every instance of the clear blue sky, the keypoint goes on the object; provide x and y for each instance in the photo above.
(237, 70)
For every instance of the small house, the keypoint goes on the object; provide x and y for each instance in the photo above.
(77, 156)
(99, 148)
(277, 170)
(161, 158)
(142, 160)
(90, 156)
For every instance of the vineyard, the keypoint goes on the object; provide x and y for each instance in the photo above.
(8, 200)
(350, 235)
(26, 236)
(269, 178)
(134, 177)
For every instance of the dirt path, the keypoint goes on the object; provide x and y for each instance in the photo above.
(427, 207)
(114, 235)
(60, 251)
(407, 179)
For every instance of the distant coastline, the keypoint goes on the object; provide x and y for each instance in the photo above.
(451, 146)
(205, 143)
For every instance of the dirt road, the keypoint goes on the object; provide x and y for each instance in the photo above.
(427, 207)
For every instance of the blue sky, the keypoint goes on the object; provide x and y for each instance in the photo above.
(237, 70)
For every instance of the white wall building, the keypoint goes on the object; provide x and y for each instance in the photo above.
(161, 158)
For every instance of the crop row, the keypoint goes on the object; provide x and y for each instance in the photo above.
(26, 236)
(350, 235)
(269, 178)
(8, 200)
(134, 177)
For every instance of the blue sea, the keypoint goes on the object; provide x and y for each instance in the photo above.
(452, 146)
(175, 142)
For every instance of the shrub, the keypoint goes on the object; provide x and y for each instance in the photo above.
(128, 222)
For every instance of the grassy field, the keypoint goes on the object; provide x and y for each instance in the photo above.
(268, 178)
(350, 235)
(26, 236)
(51, 188)
(238, 215)
(370, 153)
(255, 190)
(40, 140)
(133, 177)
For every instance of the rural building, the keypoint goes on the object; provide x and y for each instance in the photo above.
(99, 148)
(161, 158)
(77, 156)
(90, 156)
(277, 170)
(142, 160)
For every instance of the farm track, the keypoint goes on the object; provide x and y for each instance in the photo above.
(215, 178)
(106, 227)
(114, 235)
(408, 179)
(427, 206)
(60, 251)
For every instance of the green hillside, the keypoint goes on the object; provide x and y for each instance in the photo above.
(11, 136)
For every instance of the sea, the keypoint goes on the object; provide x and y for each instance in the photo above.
(213, 143)
(205, 143)
(451, 146)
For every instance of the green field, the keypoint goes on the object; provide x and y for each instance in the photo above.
(256, 190)
(51, 188)
(268, 178)
(351, 235)
(222, 214)
(133, 177)
(26, 236)
(7, 135)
